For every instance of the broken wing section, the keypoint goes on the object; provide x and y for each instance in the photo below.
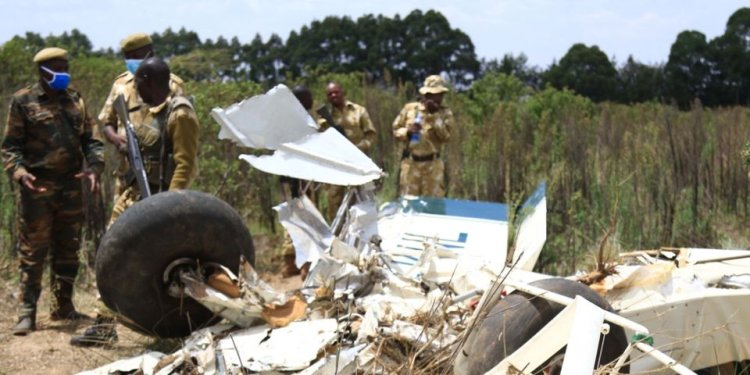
(277, 121)
(326, 157)
(265, 121)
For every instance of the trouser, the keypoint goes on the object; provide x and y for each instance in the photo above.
(335, 195)
(423, 178)
(49, 223)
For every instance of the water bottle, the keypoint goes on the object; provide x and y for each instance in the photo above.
(414, 138)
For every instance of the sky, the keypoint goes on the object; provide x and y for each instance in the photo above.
(542, 29)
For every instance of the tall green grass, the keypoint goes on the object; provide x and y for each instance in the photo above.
(669, 178)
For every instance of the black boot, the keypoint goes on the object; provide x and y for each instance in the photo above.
(27, 316)
(26, 324)
(63, 309)
(68, 313)
(102, 333)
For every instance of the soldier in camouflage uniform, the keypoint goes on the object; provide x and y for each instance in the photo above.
(135, 48)
(168, 138)
(354, 122)
(424, 127)
(48, 149)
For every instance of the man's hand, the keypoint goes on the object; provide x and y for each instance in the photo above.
(91, 177)
(27, 181)
(432, 106)
(414, 128)
(119, 141)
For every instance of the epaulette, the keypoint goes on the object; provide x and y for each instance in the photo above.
(179, 101)
(74, 94)
(24, 91)
(124, 76)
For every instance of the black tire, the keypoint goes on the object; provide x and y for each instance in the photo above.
(146, 238)
(520, 316)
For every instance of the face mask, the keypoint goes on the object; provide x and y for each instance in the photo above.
(132, 64)
(59, 81)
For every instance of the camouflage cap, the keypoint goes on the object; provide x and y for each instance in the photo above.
(50, 54)
(433, 84)
(134, 41)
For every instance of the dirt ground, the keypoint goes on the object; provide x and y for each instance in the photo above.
(47, 350)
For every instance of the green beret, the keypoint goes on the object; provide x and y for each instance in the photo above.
(49, 54)
(135, 41)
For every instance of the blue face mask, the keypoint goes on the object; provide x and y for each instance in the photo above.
(133, 64)
(59, 81)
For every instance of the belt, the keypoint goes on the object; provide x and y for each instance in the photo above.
(430, 157)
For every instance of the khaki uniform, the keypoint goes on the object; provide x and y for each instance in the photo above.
(358, 128)
(175, 123)
(125, 84)
(51, 138)
(422, 169)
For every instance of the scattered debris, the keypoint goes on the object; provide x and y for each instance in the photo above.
(398, 290)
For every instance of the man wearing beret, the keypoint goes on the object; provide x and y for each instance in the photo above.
(135, 48)
(168, 139)
(424, 127)
(48, 149)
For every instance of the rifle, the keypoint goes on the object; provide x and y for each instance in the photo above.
(326, 115)
(134, 151)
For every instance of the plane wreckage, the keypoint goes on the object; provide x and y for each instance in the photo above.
(416, 286)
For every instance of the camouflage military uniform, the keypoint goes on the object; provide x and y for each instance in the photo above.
(421, 167)
(175, 123)
(358, 128)
(51, 138)
(125, 84)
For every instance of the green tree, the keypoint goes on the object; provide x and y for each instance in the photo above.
(329, 45)
(75, 42)
(585, 70)
(516, 66)
(730, 58)
(410, 49)
(688, 69)
(638, 82)
(203, 64)
(170, 43)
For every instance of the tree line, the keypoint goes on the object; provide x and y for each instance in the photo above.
(407, 49)
(670, 177)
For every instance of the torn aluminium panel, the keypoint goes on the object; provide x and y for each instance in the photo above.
(326, 157)
(466, 236)
(265, 121)
(277, 121)
(144, 363)
(307, 228)
(292, 348)
(694, 318)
